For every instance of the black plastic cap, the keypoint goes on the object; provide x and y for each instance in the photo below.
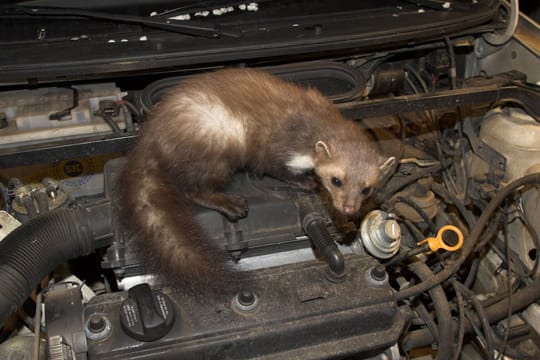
(146, 315)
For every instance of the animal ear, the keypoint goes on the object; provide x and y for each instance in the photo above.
(387, 165)
(321, 148)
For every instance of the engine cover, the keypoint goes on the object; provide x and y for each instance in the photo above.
(294, 312)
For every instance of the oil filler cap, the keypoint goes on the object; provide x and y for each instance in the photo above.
(146, 315)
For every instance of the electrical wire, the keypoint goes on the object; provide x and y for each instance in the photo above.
(25, 197)
(460, 206)
(419, 211)
(429, 113)
(74, 103)
(494, 312)
(461, 328)
(394, 186)
(442, 310)
(468, 176)
(428, 320)
(509, 286)
(418, 78)
(473, 271)
(488, 332)
(132, 108)
(536, 239)
(410, 70)
(490, 232)
(482, 316)
(110, 121)
(405, 253)
(452, 73)
(473, 237)
(411, 84)
(479, 335)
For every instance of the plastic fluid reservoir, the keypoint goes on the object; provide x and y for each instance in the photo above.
(514, 134)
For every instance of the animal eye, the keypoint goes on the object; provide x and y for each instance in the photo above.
(336, 182)
(367, 190)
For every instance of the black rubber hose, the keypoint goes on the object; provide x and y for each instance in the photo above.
(496, 312)
(453, 199)
(473, 271)
(28, 203)
(461, 323)
(481, 314)
(442, 310)
(110, 121)
(38, 246)
(316, 229)
(396, 184)
(469, 244)
(419, 211)
(42, 201)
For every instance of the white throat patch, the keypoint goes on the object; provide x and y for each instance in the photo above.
(299, 163)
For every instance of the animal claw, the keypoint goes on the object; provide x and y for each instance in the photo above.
(236, 208)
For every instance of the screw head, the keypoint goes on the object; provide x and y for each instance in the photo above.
(378, 272)
(392, 230)
(245, 301)
(96, 323)
(246, 298)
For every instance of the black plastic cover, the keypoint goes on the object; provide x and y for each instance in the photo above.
(58, 48)
(298, 313)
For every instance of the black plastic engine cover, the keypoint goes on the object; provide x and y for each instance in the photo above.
(296, 313)
(273, 224)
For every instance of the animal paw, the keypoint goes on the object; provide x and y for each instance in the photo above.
(235, 207)
(232, 206)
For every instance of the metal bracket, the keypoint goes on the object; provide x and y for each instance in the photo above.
(525, 95)
(497, 162)
(64, 322)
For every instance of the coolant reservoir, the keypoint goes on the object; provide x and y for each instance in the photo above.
(515, 135)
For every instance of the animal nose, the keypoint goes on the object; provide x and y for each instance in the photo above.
(348, 210)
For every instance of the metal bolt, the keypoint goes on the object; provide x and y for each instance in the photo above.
(246, 298)
(246, 301)
(96, 323)
(391, 229)
(97, 327)
(378, 272)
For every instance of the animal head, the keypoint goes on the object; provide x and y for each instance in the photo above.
(350, 172)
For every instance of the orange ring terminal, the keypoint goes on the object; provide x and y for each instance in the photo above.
(441, 241)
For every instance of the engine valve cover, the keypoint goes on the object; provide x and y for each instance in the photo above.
(293, 311)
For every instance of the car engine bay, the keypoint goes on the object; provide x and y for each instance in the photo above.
(442, 262)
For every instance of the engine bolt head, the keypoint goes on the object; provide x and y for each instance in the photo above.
(378, 272)
(245, 301)
(96, 323)
(97, 327)
(246, 298)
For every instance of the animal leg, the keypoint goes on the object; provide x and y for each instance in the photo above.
(233, 207)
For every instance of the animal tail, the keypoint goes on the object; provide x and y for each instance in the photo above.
(167, 237)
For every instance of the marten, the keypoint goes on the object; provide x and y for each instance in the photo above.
(210, 126)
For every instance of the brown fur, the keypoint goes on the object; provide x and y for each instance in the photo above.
(187, 153)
